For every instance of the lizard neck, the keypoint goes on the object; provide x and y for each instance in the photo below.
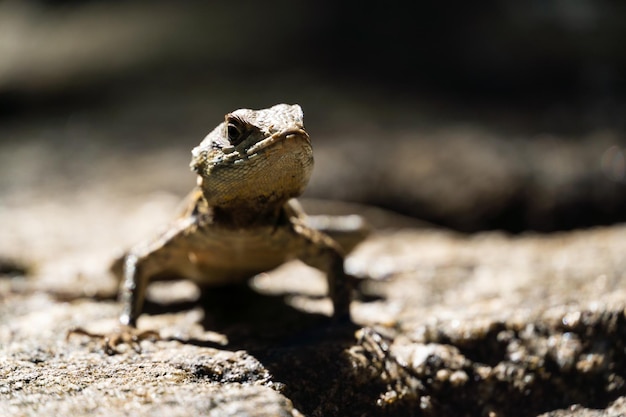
(247, 210)
(246, 214)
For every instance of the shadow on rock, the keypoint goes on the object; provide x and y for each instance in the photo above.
(307, 354)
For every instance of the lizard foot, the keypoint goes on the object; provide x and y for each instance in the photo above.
(123, 335)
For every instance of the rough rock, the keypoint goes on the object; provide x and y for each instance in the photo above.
(446, 324)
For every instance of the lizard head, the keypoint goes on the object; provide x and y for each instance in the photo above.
(255, 158)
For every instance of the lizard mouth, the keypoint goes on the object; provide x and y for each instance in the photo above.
(277, 137)
(222, 159)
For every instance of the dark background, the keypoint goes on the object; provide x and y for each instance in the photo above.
(508, 116)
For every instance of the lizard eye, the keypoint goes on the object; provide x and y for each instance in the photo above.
(235, 130)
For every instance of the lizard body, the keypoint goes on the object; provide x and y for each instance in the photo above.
(242, 218)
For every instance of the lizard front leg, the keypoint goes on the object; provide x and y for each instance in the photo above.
(135, 270)
(347, 230)
(166, 254)
(133, 289)
(132, 296)
(318, 250)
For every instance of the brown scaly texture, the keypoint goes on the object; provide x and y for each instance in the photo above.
(240, 220)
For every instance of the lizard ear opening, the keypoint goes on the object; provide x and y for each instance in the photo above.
(236, 129)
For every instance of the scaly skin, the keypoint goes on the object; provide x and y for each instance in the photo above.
(241, 218)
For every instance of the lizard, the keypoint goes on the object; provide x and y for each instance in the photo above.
(242, 217)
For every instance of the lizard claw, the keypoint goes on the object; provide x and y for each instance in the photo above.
(122, 335)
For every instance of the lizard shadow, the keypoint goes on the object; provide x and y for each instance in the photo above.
(250, 320)
(304, 352)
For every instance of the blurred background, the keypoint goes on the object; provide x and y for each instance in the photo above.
(506, 116)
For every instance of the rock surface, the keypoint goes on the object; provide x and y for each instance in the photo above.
(95, 130)
(446, 324)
